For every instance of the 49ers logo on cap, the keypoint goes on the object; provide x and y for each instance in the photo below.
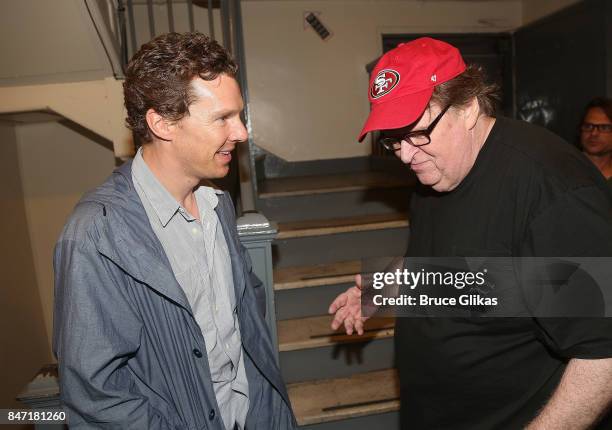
(384, 82)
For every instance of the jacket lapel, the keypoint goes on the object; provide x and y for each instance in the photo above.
(147, 264)
(136, 249)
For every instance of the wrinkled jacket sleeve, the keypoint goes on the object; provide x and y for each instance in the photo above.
(96, 331)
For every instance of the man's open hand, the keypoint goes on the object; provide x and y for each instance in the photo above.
(347, 307)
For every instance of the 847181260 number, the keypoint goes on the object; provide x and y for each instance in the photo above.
(28, 416)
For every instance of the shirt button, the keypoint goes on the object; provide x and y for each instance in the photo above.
(211, 415)
(197, 353)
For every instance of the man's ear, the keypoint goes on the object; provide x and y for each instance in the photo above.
(471, 113)
(159, 126)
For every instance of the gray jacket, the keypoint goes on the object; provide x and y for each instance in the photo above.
(130, 352)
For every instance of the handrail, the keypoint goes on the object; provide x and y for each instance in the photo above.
(108, 35)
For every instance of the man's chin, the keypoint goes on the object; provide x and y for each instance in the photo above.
(222, 174)
(597, 149)
(599, 153)
(219, 173)
(428, 179)
(436, 183)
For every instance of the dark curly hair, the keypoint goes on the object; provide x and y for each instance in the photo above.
(158, 77)
(460, 90)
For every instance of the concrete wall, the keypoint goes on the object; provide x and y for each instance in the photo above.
(308, 97)
(97, 105)
(49, 41)
(23, 336)
(57, 165)
(535, 9)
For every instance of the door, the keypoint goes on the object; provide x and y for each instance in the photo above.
(561, 63)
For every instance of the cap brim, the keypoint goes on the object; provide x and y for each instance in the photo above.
(396, 113)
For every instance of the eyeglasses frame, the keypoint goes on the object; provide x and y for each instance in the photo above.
(389, 143)
(601, 128)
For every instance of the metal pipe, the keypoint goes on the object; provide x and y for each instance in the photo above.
(122, 33)
(151, 18)
(211, 20)
(248, 179)
(170, 16)
(226, 25)
(190, 14)
(130, 6)
(112, 17)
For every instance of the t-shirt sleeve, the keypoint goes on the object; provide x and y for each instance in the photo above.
(575, 227)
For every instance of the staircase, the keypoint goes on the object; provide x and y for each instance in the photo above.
(327, 224)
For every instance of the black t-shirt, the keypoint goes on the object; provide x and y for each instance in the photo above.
(528, 194)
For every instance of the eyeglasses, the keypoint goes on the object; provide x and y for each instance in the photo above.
(602, 128)
(415, 138)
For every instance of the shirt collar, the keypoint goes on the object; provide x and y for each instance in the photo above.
(209, 191)
(163, 203)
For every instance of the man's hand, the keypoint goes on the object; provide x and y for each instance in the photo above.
(347, 307)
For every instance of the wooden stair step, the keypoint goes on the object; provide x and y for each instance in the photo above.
(315, 332)
(288, 278)
(292, 230)
(303, 185)
(342, 398)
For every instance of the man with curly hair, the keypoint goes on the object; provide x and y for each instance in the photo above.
(159, 319)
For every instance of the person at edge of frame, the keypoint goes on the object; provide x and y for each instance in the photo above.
(489, 186)
(159, 318)
(596, 135)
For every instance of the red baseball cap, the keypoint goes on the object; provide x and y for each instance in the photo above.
(404, 79)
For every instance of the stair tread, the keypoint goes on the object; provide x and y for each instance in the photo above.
(290, 230)
(302, 185)
(341, 398)
(315, 332)
(287, 278)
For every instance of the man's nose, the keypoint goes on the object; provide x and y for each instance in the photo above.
(239, 133)
(407, 152)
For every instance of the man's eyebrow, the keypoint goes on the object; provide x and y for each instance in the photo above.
(226, 112)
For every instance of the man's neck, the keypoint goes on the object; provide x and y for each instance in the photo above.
(173, 177)
(603, 162)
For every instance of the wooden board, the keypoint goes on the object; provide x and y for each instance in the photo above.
(335, 399)
(315, 332)
(288, 278)
(303, 185)
(292, 230)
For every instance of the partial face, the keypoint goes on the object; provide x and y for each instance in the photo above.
(204, 139)
(596, 142)
(447, 159)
